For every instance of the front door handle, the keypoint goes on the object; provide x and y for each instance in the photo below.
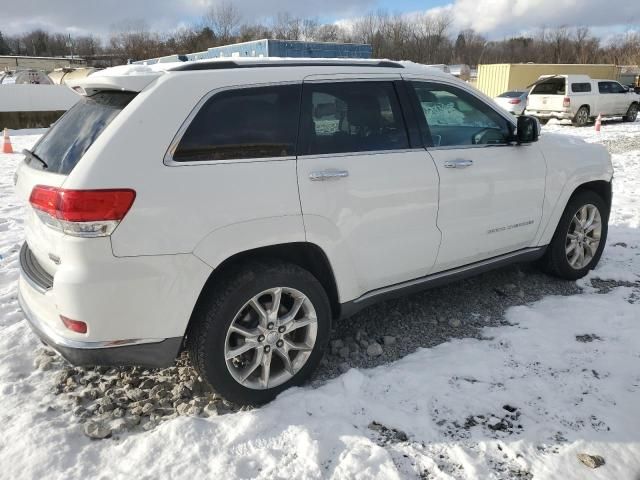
(458, 163)
(324, 175)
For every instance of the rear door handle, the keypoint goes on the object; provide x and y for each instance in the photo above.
(458, 163)
(325, 175)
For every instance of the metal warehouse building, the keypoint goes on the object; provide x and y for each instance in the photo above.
(274, 48)
(501, 77)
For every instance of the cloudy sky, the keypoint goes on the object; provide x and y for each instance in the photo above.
(494, 18)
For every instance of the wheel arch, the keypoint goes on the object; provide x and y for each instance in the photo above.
(304, 254)
(601, 187)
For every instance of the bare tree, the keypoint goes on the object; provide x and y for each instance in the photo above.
(223, 18)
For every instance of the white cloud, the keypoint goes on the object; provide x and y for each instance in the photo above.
(97, 16)
(513, 16)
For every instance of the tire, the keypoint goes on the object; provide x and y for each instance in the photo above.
(543, 121)
(582, 117)
(632, 113)
(557, 259)
(210, 339)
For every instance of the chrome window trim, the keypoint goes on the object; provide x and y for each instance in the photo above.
(168, 156)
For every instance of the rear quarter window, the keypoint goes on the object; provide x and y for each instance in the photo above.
(580, 87)
(70, 137)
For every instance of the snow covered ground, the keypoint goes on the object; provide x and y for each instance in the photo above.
(563, 378)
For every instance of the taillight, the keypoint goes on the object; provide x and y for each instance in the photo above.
(514, 101)
(566, 102)
(82, 213)
(74, 325)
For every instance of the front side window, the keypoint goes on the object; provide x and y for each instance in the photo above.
(258, 122)
(604, 87)
(455, 117)
(351, 117)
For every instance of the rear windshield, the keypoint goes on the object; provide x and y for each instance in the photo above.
(70, 137)
(511, 94)
(553, 86)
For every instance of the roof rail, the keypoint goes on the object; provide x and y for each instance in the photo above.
(229, 64)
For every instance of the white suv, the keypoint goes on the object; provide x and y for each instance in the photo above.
(234, 209)
(580, 99)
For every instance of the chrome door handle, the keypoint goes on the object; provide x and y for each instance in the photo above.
(458, 163)
(328, 175)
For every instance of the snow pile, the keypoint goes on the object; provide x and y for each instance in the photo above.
(523, 402)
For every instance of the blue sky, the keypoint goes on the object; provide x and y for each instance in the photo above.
(492, 18)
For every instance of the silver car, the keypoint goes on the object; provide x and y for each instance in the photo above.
(514, 101)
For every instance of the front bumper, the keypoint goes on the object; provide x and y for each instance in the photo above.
(38, 306)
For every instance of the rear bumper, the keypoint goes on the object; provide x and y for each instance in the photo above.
(550, 114)
(154, 354)
(37, 300)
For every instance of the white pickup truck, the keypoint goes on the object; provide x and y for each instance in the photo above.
(580, 99)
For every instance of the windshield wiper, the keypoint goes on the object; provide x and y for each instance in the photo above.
(30, 154)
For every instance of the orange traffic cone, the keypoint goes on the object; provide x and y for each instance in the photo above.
(598, 122)
(6, 145)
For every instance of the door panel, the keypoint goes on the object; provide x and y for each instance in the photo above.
(374, 209)
(491, 192)
(491, 207)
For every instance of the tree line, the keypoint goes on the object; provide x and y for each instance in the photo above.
(424, 38)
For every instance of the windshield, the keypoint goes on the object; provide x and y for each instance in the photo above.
(514, 94)
(70, 137)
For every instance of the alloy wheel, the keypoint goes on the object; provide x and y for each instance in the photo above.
(271, 338)
(583, 236)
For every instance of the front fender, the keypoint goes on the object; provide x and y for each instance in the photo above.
(571, 162)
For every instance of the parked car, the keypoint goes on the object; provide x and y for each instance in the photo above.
(236, 208)
(580, 99)
(513, 101)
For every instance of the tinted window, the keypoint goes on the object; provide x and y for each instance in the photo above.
(580, 87)
(351, 117)
(617, 88)
(245, 123)
(514, 94)
(455, 117)
(604, 87)
(553, 86)
(70, 137)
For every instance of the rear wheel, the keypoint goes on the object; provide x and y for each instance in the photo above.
(263, 331)
(580, 237)
(582, 117)
(632, 113)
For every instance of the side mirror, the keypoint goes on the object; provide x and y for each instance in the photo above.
(528, 129)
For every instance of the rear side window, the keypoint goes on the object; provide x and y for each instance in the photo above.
(553, 86)
(70, 137)
(346, 117)
(580, 87)
(259, 122)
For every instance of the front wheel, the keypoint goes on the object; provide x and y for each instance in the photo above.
(264, 330)
(632, 114)
(580, 237)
